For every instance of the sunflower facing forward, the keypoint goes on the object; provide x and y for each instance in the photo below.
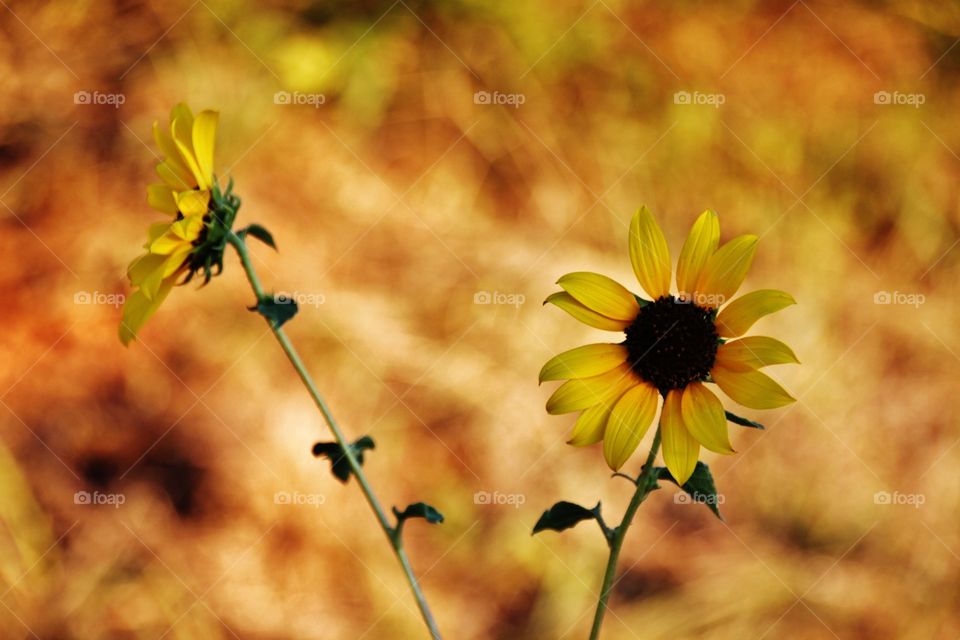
(673, 346)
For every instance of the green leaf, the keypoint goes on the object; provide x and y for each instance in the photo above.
(565, 515)
(260, 233)
(339, 464)
(418, 510)
(277, 309)
(743, 422)
(699, 487)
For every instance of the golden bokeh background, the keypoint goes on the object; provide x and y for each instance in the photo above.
(394, 203)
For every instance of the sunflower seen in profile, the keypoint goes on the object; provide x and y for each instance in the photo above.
(674, 346)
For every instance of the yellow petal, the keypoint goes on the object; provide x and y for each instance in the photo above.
(591, 424)
(204, 136)
(172, 179)
(704, 418)
(583, 362)
(754, 352)
(183, 138)
(141, 268)
(601, 294)
(160, 197)
(580, 393)
(175, 260)
(649, 254)
(725, 270)
(738, 316)
(680, 449)
(699, 246)
(171, 158)
(137, 310)
(751, 388)
(192, 203)
(629, 421)
(587, 316)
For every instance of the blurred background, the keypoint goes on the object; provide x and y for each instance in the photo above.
(429, 169)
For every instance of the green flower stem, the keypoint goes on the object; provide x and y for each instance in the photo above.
(392, 533)
(645, 484)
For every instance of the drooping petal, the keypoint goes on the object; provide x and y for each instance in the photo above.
(649, 254)
(160, 197)
(146, 272)
(204, 136)
(628, 422)
(137, 309)
(583, 362)
(751, 388)
(587, 316)
(725, 270)
(738, 316)
(601, 294)
(699, 246)
(704, 418)
(753, 352)
(172, 179)
(175, 260)
(680, 449)
(581, 393)
(591, 424)
(193, 203)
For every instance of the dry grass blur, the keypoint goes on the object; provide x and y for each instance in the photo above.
(396, 201)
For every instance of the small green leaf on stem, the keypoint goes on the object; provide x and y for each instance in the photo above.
(260, 233)
(565, 515)
(700, 487)
(339, 465)
(743, 422)
(276, 308)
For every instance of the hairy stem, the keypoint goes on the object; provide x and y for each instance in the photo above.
(645, 484)
(392, 533)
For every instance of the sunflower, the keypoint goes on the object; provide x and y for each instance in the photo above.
(176, 249)
(674, 346)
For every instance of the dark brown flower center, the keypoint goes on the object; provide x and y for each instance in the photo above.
(672, 343)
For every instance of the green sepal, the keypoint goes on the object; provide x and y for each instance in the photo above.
(339, 465)
(700, 486)
(743, 422)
